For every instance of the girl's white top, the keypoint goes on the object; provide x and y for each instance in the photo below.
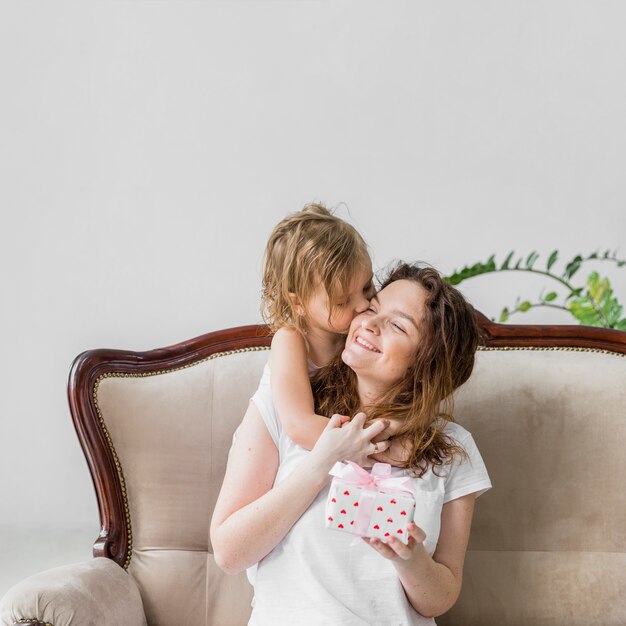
(315, 577)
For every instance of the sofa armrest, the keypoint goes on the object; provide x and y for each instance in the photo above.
(97, 592)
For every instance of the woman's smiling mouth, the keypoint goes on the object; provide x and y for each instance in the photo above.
(366, 344)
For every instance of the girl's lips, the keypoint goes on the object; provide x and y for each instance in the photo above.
(364, 343)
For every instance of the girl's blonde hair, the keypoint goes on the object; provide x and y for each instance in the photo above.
(306, 247)
(422, 401)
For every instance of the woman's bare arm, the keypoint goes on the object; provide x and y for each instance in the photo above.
(251, 515)
(251, 518)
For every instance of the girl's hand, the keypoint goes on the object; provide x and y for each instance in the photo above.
(398, 451)
(395, 550)
(344, 440)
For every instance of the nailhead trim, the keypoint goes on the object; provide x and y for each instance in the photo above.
(551, 348)
(32, 620)
(118, 466)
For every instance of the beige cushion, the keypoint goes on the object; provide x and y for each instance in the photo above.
(84, 594)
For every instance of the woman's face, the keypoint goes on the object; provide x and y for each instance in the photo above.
(382, 341)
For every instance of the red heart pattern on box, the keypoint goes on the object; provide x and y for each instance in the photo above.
(391, 513)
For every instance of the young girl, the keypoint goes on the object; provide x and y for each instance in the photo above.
(317, 276)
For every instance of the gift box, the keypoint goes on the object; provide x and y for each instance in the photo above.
(370, 504)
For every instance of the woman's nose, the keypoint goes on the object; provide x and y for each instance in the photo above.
(370, 323)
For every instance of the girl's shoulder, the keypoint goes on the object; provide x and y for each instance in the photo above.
(288, 331)
(289, 337)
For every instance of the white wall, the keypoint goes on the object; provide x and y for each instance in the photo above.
(147, 149)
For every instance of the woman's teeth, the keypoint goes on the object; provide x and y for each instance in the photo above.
(366, 344)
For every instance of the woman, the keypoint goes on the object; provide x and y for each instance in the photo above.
(403, 357)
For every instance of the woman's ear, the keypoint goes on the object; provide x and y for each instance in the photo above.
(296, 304)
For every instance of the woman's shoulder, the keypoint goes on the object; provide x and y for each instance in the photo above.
(456, 431)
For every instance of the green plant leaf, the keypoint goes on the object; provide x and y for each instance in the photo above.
(505, 265)
(597, 288)
(550, 296)
(621, 325)
(532, 257)
(519, 262)
(552, 259)
(598, 306)
(583, 310)
(572, 267)
(524, 306)
(504, 316)
(471, 271)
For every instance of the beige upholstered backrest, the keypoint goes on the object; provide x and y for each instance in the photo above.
(548, 541)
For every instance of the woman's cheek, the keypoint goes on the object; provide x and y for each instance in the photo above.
(401, 365)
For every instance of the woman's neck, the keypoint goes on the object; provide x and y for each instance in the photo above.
(369, 391)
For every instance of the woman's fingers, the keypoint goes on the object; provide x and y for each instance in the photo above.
(394, 548)
(381, 547)
(416, 532)
(385, 434)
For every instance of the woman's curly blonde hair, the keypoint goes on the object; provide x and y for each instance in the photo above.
(423, 400)
(306, 247)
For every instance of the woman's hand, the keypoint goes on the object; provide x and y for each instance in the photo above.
(348, 440)
(396, 454)
(395, 550)
(393, 426)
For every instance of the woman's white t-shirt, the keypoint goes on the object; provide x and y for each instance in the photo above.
(320, 577)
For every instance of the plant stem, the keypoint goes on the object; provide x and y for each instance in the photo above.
(561, 308)
(597, 309)
(525, 269)
(536, 304)
(602, 258)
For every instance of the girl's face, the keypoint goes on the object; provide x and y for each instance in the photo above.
(383, 340)
(321, 316)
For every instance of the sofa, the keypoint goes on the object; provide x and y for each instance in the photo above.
(546, 406)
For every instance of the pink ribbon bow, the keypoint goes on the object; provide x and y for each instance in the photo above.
(370, 483)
